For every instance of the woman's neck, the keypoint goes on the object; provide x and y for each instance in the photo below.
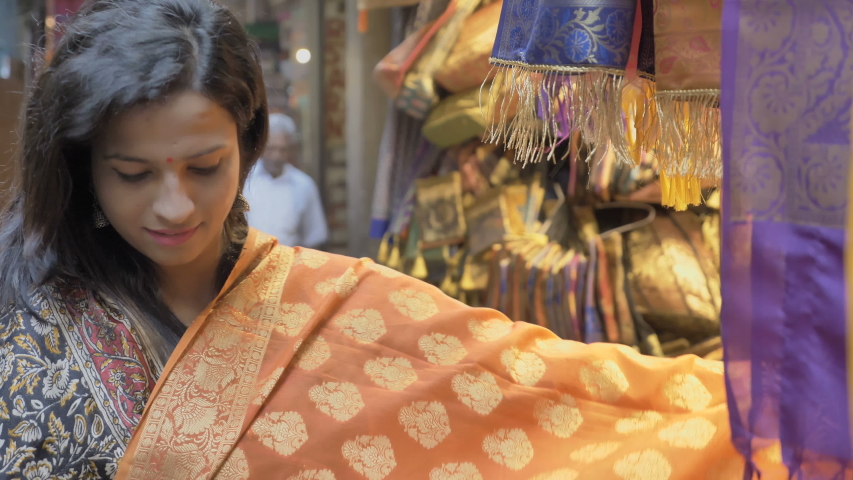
(188, 289)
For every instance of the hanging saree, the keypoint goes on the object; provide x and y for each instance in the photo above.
(313, 366)
(787, 89)
(687, 78)
(565, 62)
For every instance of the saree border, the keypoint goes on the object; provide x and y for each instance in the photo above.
(147, 457)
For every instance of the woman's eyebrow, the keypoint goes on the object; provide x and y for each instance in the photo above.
(128, 158)
(207, 151)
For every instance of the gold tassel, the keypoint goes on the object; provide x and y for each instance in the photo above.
(680, 192)
(394, 260)
(638, 98)
(382, 256)
(419, 269)
(448, 286)
(688, 145)
(467, 281)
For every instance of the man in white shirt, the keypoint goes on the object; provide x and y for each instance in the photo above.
(284, 200)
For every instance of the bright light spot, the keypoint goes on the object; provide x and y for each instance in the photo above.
(50, 22)
(5, 66)
(303, 55)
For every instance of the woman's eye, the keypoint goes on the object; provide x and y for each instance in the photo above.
(133, 178)
(205, 170)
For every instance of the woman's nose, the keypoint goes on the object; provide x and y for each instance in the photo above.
(173, 204)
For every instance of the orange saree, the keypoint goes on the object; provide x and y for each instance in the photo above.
(313, 366)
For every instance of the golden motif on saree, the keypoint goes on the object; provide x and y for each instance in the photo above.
(454, 393)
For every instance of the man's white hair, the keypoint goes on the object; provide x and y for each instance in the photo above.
(281, 123)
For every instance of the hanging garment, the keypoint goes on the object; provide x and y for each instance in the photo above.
(687, 75)
(788, 84)
(418, 93)
(467, 65)
(566, 63)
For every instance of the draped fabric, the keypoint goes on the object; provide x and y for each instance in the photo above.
(565, 61)
(786, 84)
(380, 214)
(75, 380)
(467, 65)
(401, 137)
(313, 366)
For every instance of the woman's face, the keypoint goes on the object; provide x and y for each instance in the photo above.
(166, 176)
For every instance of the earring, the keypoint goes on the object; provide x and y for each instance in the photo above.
(241, 204)
(99, 218)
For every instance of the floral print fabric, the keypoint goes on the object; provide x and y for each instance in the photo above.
(564, 35)
(74, 385)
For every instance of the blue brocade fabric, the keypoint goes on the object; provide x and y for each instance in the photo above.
(565, 35)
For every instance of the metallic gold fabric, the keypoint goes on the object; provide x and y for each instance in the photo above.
(381, 376)
(467, 65)
(688, 35)
(439, 210)
(674, 280)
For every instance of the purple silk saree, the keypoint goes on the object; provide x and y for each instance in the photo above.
(786, 94)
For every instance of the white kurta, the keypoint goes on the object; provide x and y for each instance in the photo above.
(287, 207)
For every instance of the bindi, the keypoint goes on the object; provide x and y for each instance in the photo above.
(169, 160)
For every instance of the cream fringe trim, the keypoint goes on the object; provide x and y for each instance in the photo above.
(549, 103)
(533, 108)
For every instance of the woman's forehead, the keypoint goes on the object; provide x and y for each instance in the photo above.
(184, 121)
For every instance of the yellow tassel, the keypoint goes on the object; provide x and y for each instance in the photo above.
(382, 256)
(419, 269)
(448, 286)
(467, 280)
(679, 192)
(394, 260)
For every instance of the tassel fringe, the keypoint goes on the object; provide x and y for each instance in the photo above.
(533, 109)
(638, 103)
(688, 144)
(419, 268)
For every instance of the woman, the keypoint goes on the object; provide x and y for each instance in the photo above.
(149, 334)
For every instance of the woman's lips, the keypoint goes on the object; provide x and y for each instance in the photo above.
(172, 238)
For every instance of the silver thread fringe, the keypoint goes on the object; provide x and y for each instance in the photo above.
(535, 108)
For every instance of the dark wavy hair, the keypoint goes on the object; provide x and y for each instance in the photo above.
(114, 55)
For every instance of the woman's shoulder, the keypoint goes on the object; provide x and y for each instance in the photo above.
(32, 325)
(46, 301)
(51, 385)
